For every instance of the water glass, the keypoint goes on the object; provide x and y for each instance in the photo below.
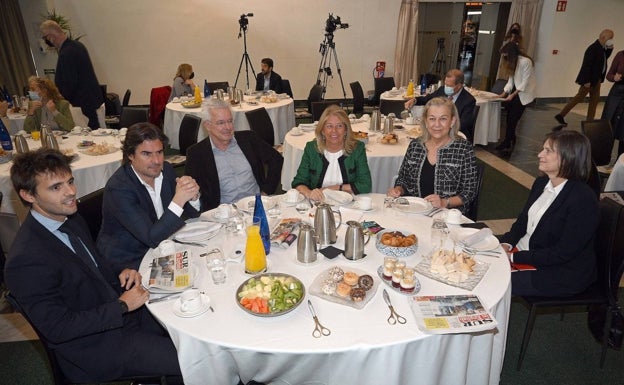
(234, 225)
(216, 263)
(439, 232)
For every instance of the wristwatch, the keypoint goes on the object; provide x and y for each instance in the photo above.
(123, 306)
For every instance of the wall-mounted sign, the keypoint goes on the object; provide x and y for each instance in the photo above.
(561, 5)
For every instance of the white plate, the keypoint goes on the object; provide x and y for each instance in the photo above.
(216, 215)
(100, 132)
(489, 243)
(198, 231)
(307, 126)
(415, 205)
(204, 307)
(293, 133)
(337, 198)
(289, 203)
(247, 204)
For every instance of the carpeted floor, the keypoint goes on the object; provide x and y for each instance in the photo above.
(501, 197)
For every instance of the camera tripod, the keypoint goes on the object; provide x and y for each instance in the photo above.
(327, 50)
(245, 58)
(439, 60)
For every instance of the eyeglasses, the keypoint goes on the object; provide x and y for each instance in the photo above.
(223, 122)
(338, 126)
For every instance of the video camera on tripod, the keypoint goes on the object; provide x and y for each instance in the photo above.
(243, 22)
(334, 23)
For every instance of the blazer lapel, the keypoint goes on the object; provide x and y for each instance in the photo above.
(144, 198)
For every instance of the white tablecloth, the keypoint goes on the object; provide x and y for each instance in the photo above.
(384, 160)
(90, 172)
(616, 179)
(487, 126)
(282, 114)
(215, 348)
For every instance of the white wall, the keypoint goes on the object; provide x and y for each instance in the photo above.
(138, 44)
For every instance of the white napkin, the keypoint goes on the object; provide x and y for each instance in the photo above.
(477, 237)
(339, 197)
(197, 231)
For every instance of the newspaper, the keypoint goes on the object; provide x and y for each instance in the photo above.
(450, 314)
(172, 272)
(283, 235)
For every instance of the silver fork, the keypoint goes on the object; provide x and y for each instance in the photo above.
(433, 212)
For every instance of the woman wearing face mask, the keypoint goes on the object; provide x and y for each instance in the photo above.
(183, 82)
(464, 101)
(47, 106)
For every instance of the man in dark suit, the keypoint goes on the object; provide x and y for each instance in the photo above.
(230, 165)
(464, 101)
(591, 76)
(75, 76)
(94, 320)
(144, 202)
(267, 79)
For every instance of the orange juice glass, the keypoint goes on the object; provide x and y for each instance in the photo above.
(255, 257)
(35, 135)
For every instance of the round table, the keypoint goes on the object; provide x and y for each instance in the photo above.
(90, 172)
(487, 126)
(282, 114)
(218, 347)
(384, 160)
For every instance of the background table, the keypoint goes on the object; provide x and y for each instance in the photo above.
(384, 160)
(215, 348)
(487, 126)
(282, 114)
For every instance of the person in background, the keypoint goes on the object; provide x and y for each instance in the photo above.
(514, 35)
(334, 160)
(93, 319)
(267, 79)
(4, 109)
(439, 166)
(228, 164)
(590, 76)
(464, 101)
(183, 84)
(47, 106)
(518, 92)
(555, 230)
(144, 202)
(75, 76)
(613, 110)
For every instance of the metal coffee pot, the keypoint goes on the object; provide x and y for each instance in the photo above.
(306, 244)
(354, 241)
(45, 132)
(220, 94)
(51, 142)
(375, 122)
(389, 124)
(20, 144)
(325, 224)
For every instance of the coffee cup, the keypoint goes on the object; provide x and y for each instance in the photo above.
(453, 216)
(296, 130)
(292, 195)
(410, 120)
(190, 301)
(166, 247)
(223, 210)
(364, 203)
(76, 130)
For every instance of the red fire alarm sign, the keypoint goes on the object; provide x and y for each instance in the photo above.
(561, 5)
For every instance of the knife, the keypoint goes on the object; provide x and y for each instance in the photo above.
(165, 298)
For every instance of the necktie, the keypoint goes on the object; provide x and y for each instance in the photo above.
(77, 244)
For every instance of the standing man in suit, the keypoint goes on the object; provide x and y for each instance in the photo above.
(94, 320)
(267, 79)
(230, 165)
(75, 76)
(144, 202)
(591, 75)
(464, 101)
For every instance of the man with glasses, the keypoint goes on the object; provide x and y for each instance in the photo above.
(228, 164)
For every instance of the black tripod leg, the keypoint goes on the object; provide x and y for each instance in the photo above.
(344, 92)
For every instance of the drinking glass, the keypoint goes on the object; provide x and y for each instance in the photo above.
(255, 256)
(439, 231)
(216, 264)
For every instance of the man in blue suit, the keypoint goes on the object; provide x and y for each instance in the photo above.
(144, 202)
(92, 319)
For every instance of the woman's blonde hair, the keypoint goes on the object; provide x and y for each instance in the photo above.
(184, 71)
(334, 110)
(47, 86)
(441, 102)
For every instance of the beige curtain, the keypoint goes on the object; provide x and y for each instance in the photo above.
(527, 14)
(15, 59)
(405, 63)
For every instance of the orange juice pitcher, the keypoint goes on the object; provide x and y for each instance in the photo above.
(255, 257)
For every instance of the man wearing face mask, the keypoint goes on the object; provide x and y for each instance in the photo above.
(591, 75)
(75, 76)
(464, 101)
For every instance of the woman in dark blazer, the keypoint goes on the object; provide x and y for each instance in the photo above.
(555, 230)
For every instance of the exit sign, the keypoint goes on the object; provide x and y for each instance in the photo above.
(561, 5)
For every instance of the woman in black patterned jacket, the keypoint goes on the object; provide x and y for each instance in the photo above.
(439, 166)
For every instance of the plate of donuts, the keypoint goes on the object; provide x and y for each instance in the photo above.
(345, 286)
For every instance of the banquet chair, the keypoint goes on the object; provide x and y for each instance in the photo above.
(159, 96)
(218, 86)
(392, 106)
(90, 208)
(498, 87)
(609, 262)
(469, 131)
(601, 138)
(593, 180)
(260, 123)
(382, 85)
(187, 136)
(286, 87)
(474, 206)
(126, 98)
(315, 95)
(319, 107)
(57, 372)
(131, 115)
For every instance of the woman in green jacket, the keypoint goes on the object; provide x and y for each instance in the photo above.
(335, 160)
(47, 106)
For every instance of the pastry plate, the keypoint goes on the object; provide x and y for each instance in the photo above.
(197, 231)
(6, 158)
(398, 289)
(414, 205)
(272, 275)
(479, 270)
(395, 251)
(316, 288)
(177, 307)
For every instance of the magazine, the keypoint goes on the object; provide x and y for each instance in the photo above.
(450, 314)
(283, 235)
(172, 272)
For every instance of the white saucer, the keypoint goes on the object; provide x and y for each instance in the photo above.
(204, 307)
(289, 203)
(293, 133)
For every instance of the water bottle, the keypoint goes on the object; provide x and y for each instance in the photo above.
(264, 224)
(5, 138)
(423, 85)
(206, 89)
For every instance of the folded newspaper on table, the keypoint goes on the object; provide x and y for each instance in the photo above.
(283, 235)
(449, 314)
(171, 273)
